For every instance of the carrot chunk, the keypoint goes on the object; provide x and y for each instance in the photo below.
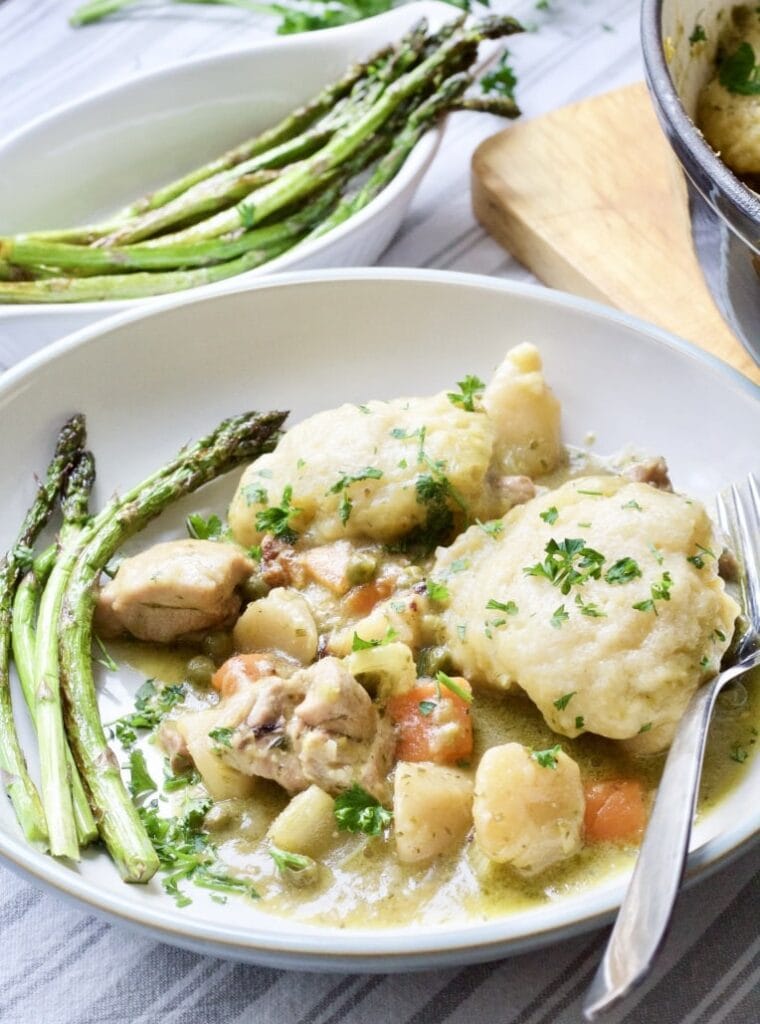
(615, 811)
(360, 600)
(432, 723)
(241, 670)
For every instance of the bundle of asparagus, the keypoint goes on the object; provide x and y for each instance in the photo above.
(82, 791)
(292, 183)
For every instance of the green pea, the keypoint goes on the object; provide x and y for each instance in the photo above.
(254, 588)
(217, 646)
(362, 568)
(200, 669)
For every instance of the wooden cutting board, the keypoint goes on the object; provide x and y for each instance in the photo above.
(592, 200)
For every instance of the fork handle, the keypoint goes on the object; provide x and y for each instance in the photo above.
(645, 913)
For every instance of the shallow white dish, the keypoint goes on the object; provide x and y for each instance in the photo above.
(151, 379)
(122, 142)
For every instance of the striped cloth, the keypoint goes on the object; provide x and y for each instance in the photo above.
(62, 966)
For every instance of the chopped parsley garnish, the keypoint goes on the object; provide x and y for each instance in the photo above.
(222, 736)
(550, 515)
(547, 758)
(469, 389)
(559, 616)
(360, 644)
(594, 494)
(427, 707)
(342, 485)
(437, 591)
(460, 565)
(255, 495)
(593, 611)
(151, 705)
(633, 504)
(568, 563)
(493, 528)
(698, 35)
(453, 686)
(106, 661)
(278, 519)
(508, 607)
(698, 560)
(739, 753)
(580, 722)
(561, 702)
(185, 852)
(172, 782)
(285, 861)
(719, 635)
(623, 571)
(356, 810)
(139, 776)
(502, 79)
(660, 591)
(704, 662)
(645, 727)
(739, 73)
(657, 554)
(204, 529)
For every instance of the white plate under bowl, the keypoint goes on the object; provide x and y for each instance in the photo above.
(118, 144)
(151, 379)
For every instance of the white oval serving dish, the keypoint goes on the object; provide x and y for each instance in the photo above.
(122, 142)
(152, 378)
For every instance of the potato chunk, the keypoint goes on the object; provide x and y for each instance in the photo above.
(432, 810)
(220, 779)
(307, 825)
(281, 621)
(527, 814)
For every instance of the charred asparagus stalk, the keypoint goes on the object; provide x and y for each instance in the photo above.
(18, 784)
(244, 209)
(237, 440)
(63, 798)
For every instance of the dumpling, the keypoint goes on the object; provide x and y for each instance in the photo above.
(413, 468)
(601, 599)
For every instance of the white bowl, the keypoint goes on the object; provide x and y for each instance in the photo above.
(149, 380)
(85, 160)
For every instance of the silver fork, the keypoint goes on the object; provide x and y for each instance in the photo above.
(645, 913)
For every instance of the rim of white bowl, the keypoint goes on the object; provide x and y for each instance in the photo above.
(354, 949)
(416, 164)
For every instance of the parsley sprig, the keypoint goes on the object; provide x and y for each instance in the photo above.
(469, 390)
(502, 80)
(152, 704)
(739, 73)
(341, 487)
(568, 563)
(185, 852)
(278, 519)
(356, 810)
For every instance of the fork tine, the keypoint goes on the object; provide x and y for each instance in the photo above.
(747, 518)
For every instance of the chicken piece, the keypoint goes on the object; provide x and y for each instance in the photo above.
(651, 471)
(317, 727)
(336, 702)
(528, 807)
(173, 590)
